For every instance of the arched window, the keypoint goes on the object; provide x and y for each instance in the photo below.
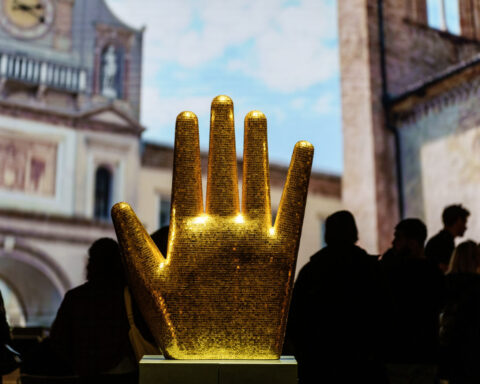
(103, 191)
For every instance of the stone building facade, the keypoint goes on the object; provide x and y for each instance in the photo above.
(410, 115)
(70, 147)
(69, 142)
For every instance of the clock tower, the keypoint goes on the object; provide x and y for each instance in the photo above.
(45, 22)
(27, 19)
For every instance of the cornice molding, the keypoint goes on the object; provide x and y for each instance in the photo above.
(437, 97)
(77, 120)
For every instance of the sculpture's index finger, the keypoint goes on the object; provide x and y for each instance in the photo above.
(292, 204)
(187, 198)
(222, 180)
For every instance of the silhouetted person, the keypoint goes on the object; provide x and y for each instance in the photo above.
(460, 319)
(415, 287)
(440, 247)
(91, 327)
(334, 310)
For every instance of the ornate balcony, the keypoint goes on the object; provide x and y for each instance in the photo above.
(42, 73)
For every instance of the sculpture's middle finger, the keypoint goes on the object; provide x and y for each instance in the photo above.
(222, 185)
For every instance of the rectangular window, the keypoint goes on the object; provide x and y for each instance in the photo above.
(322, 233)
(444, 15)
(164, 211)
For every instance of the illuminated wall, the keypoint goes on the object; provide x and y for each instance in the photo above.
(441, 157)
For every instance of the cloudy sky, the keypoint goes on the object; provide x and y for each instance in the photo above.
(277, 56)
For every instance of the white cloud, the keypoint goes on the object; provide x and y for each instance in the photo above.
(325, 105)
(290, 51)
(161, 111)
(298, 103)
(295, 55)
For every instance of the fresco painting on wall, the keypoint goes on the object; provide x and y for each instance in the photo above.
(27, 165)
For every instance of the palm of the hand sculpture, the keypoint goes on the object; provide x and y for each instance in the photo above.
(223, 290)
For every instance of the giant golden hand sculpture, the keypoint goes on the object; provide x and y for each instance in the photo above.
(223, 289)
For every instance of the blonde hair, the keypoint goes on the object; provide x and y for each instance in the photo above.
(465, 258)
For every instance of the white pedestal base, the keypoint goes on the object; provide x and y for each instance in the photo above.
(158, 370)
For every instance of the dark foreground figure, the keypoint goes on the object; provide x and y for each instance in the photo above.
(440, 247)
(89, 337)
(415, 291)
(334, 315)
(460, 318)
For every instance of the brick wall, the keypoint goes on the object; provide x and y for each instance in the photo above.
(62, 39)
(470, 18)
(416, 52)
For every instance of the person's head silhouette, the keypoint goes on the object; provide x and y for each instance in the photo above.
(454, 219)
(104, 262)
(341, 229)
(410, 236)
(465, 258)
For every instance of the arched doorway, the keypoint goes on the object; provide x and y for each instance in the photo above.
(33, 283)
(13, 306)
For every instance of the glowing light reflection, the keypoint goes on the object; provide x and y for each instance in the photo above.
(239, 219)
(200, 219)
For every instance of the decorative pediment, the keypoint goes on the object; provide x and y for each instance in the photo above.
(110, 117)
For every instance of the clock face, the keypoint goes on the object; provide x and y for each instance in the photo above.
(27, 19)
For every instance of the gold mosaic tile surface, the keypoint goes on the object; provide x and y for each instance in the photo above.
(223, 289)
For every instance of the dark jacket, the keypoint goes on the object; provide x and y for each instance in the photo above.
(91, 328)
(416, 292)
(334, 315)
(460, 328)
(440, 247)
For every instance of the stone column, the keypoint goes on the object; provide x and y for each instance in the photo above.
(369, 181)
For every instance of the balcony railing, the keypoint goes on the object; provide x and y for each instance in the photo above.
(41, 72)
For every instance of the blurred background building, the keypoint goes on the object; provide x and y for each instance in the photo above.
(410, 106)
(70, 147)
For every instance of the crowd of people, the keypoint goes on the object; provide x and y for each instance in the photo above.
(411, 315)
